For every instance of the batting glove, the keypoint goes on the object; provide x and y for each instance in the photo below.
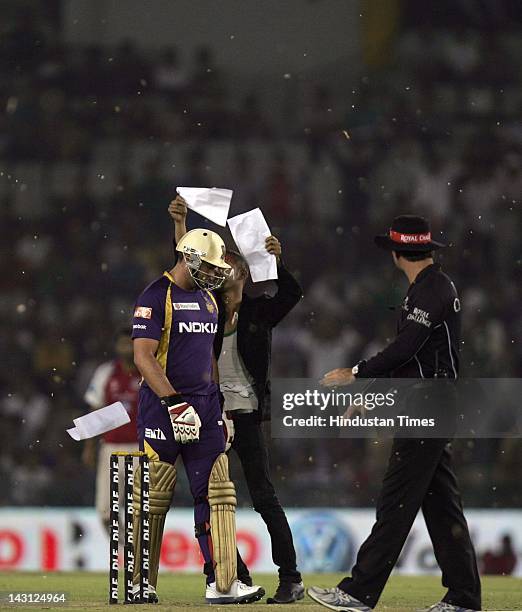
(184, 418)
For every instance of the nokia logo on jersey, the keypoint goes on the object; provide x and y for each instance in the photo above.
(195, 327)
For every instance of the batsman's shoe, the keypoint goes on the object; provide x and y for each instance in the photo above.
(442, 606)
(335, 599)
(239, 593)
(287, 592)
(152, 595)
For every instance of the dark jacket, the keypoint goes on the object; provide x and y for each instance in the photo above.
(428, 332)
(257, 317)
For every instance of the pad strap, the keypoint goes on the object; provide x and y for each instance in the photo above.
(201, 529)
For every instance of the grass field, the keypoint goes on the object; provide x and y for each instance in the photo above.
(185, 592)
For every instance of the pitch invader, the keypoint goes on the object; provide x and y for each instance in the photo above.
(179, 413)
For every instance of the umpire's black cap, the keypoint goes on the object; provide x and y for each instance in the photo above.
(408, 233)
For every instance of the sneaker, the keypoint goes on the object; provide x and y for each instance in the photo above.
(152, 596)
(335, 599)
(246, 579)
(287, 592)
(239, 593)
(442, 606)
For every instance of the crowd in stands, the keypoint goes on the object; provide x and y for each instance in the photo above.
(93, 143)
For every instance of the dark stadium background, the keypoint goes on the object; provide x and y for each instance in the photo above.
(332, 117)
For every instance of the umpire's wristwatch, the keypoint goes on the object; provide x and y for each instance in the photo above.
(355, 369)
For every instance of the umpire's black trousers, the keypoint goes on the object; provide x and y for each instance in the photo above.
(419, 475)
(250, 446)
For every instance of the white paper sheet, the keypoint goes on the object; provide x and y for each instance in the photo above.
(99, 421)
(250, 230)
(212, 203)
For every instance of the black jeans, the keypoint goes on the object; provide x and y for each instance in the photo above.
(250, 446)
(419, 475)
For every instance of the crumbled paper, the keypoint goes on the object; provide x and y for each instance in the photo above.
(99, 421)
(250, 230)
(209, 202)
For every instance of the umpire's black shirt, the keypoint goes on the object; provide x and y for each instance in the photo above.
(428, 332)
(257, 317)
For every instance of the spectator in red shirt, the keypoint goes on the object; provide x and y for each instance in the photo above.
(500, 562)
(113, 381)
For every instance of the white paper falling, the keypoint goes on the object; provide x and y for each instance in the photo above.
(210, 202)
(99, 421)
(250, 230)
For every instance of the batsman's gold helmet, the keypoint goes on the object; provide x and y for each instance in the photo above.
(207, 245)
(202, 245)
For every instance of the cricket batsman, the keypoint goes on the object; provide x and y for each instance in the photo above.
(179, 413)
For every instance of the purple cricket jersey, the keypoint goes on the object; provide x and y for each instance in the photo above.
(185, 323)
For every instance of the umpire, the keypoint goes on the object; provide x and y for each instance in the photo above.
(242, 347)
(419, 473)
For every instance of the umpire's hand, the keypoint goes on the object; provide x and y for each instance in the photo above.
(338, 378)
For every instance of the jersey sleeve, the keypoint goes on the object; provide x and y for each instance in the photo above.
(425, 311)
(289, 293)
(95, 393)
(149, 314)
